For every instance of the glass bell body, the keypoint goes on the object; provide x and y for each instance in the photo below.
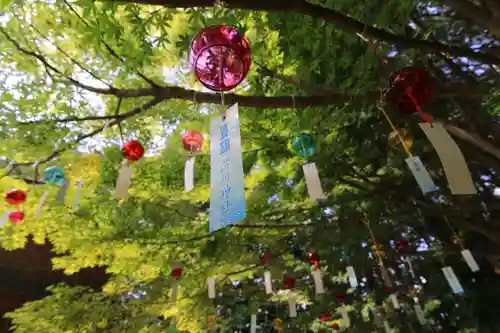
(304, 145)
(192, 141)
(16, 217)
(54, 175)
(133, 151)
(410, 80)
(220, 58)
(15, 197)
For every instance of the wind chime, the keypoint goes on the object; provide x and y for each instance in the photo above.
(304, 146)
(220, 59)
(14, 197)
(193, 143)
(132, 151)
(53, 175)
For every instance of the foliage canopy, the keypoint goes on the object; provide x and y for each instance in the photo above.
(80, 78)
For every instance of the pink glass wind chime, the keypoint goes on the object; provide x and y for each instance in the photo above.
(220, 59)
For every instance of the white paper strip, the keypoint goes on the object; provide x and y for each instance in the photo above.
(471, 262)
(4, 219)
(452, 279)
(312, 181)
(345, 317)
(268, 282)
(123, 182)
(62, 191)
(175, 290)
(353, 280)
(387, 328)
(189, 174)
(419, 313)
(292, 305)
(318, 282)
(410, 267)
(76, 199)
(395, 302)
(376, 317)
(453, 161)
(211, 288)
(227, 187)
(39, 208)
(253, 323)
(421, 175)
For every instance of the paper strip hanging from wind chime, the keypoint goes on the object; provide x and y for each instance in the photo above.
(304, 145)
(289, 283)
(452, 159)
(76, 198)
(193, 143)
(452, 280)
(351, 274)
(253, 323)
(211, 287)
(227, 189)
(313, 258)
(268, 283)
(469, 259)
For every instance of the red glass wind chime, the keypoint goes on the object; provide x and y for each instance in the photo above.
(15, 197)
(132, 151)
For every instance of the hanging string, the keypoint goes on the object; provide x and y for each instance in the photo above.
(408, 91)
(298, 122)
(456, 237)
(395, 130)
(223, 111)
(35, 176)
(374, 240)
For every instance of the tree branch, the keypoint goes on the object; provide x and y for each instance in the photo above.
(45, 62)
(342, 21)
(98, 130)
(110, 49)
(75, 62)
(167, 93)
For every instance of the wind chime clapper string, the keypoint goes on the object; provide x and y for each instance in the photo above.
(377, 250)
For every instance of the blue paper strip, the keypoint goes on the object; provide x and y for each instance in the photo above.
(227, 189)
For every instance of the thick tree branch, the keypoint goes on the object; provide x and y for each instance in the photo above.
(342, 21)
(167, 93)
(457, 132)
